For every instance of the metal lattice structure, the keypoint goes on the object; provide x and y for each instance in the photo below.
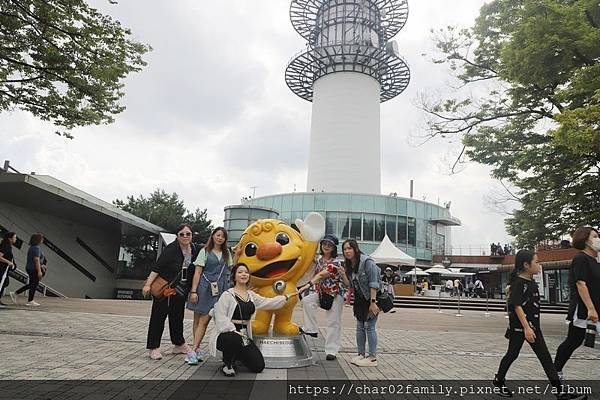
(348, 36)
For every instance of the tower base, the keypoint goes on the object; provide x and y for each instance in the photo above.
(284, 351)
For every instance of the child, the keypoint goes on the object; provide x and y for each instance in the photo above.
(524, 317)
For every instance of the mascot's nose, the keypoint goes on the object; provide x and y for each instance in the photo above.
(268, 251)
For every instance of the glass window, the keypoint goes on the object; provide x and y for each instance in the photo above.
(428, 236)
(332, 202)
(402, 230)
(411, 210)
(356, 203)
(379, 227)
(390, 227)
(343, 230)
(344, 202)
(277, 203)
(286, 203)
(368, 204)
(320, 202)
(331, 223)
(368, 227)
(356, 226)
(297, 202)
(420, 234)
(401, 206)
(420, 210)
(308, 202)
(412, 231)
(390, 206)
(380, 204)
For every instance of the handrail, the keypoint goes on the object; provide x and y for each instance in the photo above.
(42, 287)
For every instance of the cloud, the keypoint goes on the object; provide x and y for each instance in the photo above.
(211, 116)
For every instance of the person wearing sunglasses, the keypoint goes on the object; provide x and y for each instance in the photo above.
(172, 266)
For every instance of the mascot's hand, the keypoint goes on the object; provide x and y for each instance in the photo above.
(312, 228)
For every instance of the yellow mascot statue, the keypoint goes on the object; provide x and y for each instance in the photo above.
(278, 256)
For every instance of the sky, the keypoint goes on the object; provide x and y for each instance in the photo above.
(210, 116)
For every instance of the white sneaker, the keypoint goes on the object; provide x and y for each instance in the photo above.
(356, 359)
(228, 371)
(367, 362)
(13, 297)
(32, 303)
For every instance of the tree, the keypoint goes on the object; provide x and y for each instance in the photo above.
(532, 68)
(64, 62)
(168, 212)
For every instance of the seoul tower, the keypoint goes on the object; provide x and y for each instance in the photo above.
(349, 67)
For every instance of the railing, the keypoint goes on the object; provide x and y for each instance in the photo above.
(472, 250)
(42, 287)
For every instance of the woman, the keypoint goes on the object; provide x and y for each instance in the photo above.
(7, 261)
(524, 314)
(172, 266)
(329, 280)
(210, 280)
(34, 268)
(233, 328)
(388, 281)
(364, 278)
(584, 284)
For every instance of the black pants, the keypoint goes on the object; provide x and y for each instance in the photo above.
(230, 343)
(173, 307)
(539, 347)
(3, 270)
(32, 285)
(574, 339)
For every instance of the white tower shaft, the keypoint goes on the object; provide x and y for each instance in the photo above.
(345, 144)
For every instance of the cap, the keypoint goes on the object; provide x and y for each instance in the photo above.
(332, 239)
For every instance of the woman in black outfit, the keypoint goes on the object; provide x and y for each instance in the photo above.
(524, 324)
(172, 266)
(584, 285)
(7, 261)
(232, 314)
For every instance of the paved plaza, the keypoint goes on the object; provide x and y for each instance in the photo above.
(104, 340)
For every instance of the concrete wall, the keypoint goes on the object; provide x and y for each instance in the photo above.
(63, 233)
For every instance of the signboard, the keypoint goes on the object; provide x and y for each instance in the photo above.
(539, 279)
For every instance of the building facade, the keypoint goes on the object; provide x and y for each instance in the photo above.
(418, 228)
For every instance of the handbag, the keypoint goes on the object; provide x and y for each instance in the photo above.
(325, 300)
(385, 302)
(158, 286)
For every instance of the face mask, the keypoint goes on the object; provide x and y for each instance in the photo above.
(595, 244)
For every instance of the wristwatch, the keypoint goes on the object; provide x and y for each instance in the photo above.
(373, 301)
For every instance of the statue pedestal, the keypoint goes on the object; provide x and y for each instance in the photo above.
(284, 351)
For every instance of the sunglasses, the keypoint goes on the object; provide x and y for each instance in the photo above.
(185, 234)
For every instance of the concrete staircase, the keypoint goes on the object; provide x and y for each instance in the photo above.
(474, 304)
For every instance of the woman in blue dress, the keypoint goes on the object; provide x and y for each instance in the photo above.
(211, 277)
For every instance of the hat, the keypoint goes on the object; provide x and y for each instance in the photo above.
(330, 238)
(388, 269)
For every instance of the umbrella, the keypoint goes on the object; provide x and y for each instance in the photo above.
(438, 269)
(417, 271)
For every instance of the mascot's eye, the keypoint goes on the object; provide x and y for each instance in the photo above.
(250, 250)
(282, 239)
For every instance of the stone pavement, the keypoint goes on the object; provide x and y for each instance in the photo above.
(73, 339)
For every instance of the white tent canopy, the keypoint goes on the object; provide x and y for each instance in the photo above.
(387, 253)
(453, 272)
(416, 271)
(438, 269)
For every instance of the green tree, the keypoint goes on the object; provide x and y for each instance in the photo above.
(529, 107)
(64, 62)
(167, 211)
